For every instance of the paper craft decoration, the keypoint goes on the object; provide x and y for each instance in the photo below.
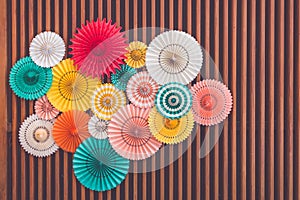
(121, 77)
(44, 109)
(98, 127)
(136, 53)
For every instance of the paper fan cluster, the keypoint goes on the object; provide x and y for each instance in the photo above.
(113, 103)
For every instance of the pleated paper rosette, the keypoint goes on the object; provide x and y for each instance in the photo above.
(173, 100)
(44, 109)
(136, 53)
(97, 166)
(129, 133)
(70, 89)
(98, 127)
(98, 48)
(70, 129)
(122, 76)
(212, 102)
(170, 131)
(174, 56)
(28, 80)
(107, 100)
(35, 136)
(47, 49)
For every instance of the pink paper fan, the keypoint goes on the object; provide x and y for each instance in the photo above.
(212, 102)
(44, 109)
(98, 48)
(129, 133)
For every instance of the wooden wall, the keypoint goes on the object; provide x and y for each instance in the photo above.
(256, 45)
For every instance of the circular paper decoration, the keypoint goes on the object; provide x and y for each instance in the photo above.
(36, 138)
(129, 133)
(121, 77)
(70, 129)
(47, 49)
(173, 100)
(28, 80)
(98, 127)
(98, 48)
(44, 109)
(212, 102)
(141, 90)
(70, 89)
(107, 100)
(170, 131)
(136, 54)
(97, 166)
(174, 56)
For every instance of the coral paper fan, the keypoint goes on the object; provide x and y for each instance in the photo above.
(97, 166)
(141, 90)
(212, 102)
(70, 89)
(129, 133)
(170, 131)
(122, 76)
(98, 48)
(136, 53)
(44, 109)
(98, 127)
(70, 129)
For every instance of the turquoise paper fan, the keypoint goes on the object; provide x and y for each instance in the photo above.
(122, 76)
(97, 166)
(28, 80)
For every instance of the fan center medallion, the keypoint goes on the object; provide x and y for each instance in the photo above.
(208, 102)
(171, 123)
(31, 77)
(136, 55)
(41, 135)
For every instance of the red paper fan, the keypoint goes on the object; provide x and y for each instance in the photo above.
(70, 129)
(129, 133)
(44, 109)
(98, 48)
(212, 102)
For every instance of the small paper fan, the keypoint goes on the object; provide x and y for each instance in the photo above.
(44, 109)
(107, 100)
(212, 102)
(47, 49)
(141, 90)
(170, 131)
(98, 48)
(35, 136)
(70, 89)
(173, 100)
(98, 127)
(129, 133)
(70, 129)
(136, 53)
(97, 166)
(174, 56)
(121, 77)
(28, 80)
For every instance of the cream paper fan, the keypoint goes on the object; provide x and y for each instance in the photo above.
(98, 127)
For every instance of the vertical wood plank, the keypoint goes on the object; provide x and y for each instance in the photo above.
(297, 99)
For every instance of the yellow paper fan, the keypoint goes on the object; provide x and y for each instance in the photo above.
(70, 89)
(136, 54)
(170, 131)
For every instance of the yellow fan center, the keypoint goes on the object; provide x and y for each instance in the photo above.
(171, 123)
(136, 54)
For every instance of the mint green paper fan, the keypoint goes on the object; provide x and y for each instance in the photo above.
(122, 76)
(28, 80)
(97, 166)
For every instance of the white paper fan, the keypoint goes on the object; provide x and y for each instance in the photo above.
(35, 136)
(174, 56)
(98, 127)
(47, 49)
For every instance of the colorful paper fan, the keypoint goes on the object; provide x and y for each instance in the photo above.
(98, 48)
(107, 100)
(122, 76)
(141, 90)
(70, 89)
(136, 53)
(47, 49)
(173, 100)
(28, 80)
(35, 136)
(44, 109)
(174, 56)
(129, 133)
(170, 131)
(212, 102)
(97, 166)
(98, 127)
(70, 129)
